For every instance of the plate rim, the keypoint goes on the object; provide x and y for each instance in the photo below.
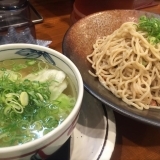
(123, 111)
(105, 151)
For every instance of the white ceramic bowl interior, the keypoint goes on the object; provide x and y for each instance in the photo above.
(48, 144)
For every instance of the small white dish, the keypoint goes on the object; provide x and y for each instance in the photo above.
(95, 132)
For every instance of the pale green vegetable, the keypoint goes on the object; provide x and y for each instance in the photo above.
(150, 25)
(24, 99)
(56, 78)
(11, 75)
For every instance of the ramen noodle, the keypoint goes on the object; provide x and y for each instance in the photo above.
(129, 66)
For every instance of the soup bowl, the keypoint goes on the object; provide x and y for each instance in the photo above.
(43, 147)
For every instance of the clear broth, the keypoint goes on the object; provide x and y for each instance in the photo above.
(33, 123)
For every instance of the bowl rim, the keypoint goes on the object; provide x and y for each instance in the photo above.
(73, 112)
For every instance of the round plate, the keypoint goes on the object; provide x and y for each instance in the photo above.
(77, 44)
(94, 135)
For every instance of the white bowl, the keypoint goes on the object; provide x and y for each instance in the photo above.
(52, 141)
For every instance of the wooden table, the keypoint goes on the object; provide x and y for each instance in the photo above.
(135, 140)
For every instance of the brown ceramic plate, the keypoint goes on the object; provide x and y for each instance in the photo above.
(77, 44)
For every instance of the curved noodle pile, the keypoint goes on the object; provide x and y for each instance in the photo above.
(129, 66)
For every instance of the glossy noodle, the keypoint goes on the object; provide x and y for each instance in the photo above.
(129, 66)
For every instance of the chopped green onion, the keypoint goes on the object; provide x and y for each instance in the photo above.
(24, 99)
(27, 110)
(30, 62)
(150, 25)
(18, 67)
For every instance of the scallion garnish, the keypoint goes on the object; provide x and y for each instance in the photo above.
(150, 25)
